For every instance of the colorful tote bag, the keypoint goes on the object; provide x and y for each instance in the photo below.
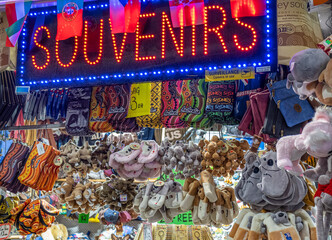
(171, 99)
(119, 99)
(193, 98)
(153, 120)
(127, 125)
(99, 116)
(220, 102)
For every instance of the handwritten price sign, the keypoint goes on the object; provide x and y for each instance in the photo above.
(140, 100)
(5, 230)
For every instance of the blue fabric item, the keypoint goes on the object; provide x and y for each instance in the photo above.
(64, 104)
(243, 91)
(49, 104)
(146, 134)
(4, 147)
(111, 216)
(54, 105)
(293, 109)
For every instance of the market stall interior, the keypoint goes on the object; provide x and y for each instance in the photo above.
(166, 120)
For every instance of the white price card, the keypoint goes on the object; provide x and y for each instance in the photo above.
(5, 230)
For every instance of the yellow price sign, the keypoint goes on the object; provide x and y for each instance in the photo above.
(230, 74)
(139, 100)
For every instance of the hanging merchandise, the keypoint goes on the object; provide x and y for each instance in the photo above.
(220, 102)
(208, 204)
(180, 160)
(6, 205)
(255, 116)
(79, 197)
(171, 99)
(40, 171)
(315, 139)
(264, 185)
(248, 8)
(137, 160)
(159, 201)
(223, 157)
(77, 117)
(244, 88)
(12, 166)
(279, 225)
(193, 98)
(118, 193)
(153, 119)
(11, 103)
(99, 156)
(33, 217)
(99, 115)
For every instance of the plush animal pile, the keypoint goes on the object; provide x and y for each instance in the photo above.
(311, 75)
(253, 225)
(180, 160)
(137, 161)
(81, 198)
(264, 185)
(75, 159)
(118, 193)
(316, 140)
(223, 157)
(208, 204)
(159, 200)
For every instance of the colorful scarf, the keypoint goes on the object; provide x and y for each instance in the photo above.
(193, 98)
(170, 99)
(152, 120)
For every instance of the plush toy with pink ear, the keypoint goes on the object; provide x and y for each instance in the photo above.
(315, 139)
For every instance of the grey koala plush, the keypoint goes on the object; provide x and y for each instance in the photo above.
(281, 218)
(306, 66)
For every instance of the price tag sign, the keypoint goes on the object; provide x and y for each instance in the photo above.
(140, 100)
(40, 148)
(58, 161)
(5, 230)
(83, 218)
(123, 198)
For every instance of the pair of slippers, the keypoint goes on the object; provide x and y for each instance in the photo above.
(209, 205)
(180, 160)
(253, 225)
(265, 186)
(159, 200)
(137, 160)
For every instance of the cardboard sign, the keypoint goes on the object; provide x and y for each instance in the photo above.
(230, 74)
(140, 100)
(5, 230)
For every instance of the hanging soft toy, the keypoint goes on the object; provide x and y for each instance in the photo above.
(315, 139)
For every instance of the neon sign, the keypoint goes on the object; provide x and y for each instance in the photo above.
(155, 51)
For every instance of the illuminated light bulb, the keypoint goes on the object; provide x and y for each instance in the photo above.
(73, 57)
(86, 43)
(139, 37)
(48, 58)
(215, 29)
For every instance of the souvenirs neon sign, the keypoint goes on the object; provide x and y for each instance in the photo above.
(155, 51)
